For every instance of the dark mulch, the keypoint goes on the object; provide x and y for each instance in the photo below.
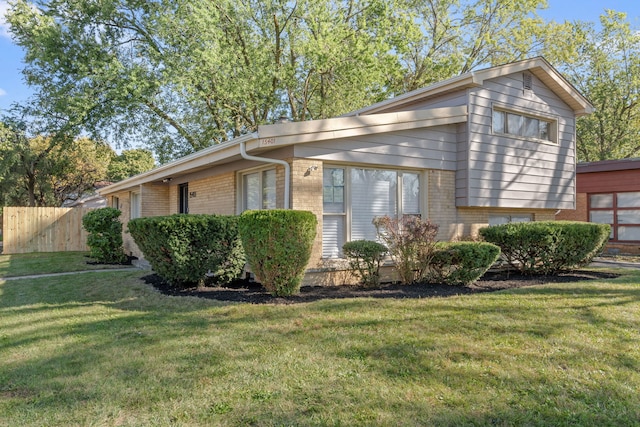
(128, 261)
(244, 291)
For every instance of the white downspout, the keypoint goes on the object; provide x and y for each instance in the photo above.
(287, 170)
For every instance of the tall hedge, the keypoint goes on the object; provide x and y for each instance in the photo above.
(278, 246)
(185, 249)
(105, 235)
(548, 247)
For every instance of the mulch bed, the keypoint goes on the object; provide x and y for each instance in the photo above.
(244, 291)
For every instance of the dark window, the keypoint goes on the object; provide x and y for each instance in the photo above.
(183, 207)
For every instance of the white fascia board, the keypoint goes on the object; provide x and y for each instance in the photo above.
(538, 66)
(204, 157)
(541, 68)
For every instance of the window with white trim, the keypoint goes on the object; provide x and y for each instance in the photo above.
(499, 219)
(259, 190)
(621, 211)
(134, 208)
(512, 123)
(353, 197)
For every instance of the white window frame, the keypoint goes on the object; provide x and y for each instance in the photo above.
(135, 205)
(348, 211)
(552, 124)
(242, 196)
(507, 218)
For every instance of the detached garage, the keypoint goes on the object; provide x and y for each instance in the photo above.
(609, 192)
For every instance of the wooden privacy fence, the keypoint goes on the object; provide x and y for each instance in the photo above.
(43, 230)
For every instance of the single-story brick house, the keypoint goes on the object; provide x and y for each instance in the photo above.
(609, 192)
(485, 147)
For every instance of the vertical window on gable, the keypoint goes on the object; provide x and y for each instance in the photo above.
(514, 124)
(259, 190)
(498, 121)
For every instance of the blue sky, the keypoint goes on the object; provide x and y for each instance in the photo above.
(13, 89)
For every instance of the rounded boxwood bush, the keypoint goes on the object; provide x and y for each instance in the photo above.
(461, 263)
(105, 235)
(364, 258)
(185, 249)
(548, 247)
(278, 245)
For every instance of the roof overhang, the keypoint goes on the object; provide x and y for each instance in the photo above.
(537, 66)
(274, 136)
(609, 165)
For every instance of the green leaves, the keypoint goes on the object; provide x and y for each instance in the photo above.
(278, 245)
(184, 249)
(607, 72)
(180, 75)
(129, 163)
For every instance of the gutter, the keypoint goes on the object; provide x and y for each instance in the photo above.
(287, 170)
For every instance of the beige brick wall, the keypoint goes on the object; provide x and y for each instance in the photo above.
(441, 203)
(213, 195)
(578, 214)
(155, 200)
(173, 200)
(306, 180)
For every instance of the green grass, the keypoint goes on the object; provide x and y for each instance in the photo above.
(47, 262)
(105, 350)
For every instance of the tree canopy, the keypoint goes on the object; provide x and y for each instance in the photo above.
(180, 75)
(43, 171)
(129, 163)
(607, 71)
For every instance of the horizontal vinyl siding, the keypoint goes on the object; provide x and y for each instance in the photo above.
(511, 172)
(453, 99)
(427, 148)
(462, 172)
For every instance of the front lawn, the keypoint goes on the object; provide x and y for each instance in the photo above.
(107, 349)
(47, 262)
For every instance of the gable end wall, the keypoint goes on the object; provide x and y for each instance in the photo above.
(511, 172)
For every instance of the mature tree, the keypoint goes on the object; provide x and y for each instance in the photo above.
(608, 73)
(129, 163)
(41, 171)
(438, 39)
(183, 74)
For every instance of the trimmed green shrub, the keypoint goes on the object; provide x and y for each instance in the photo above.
(364, 258)
(105, 235)
(548, 247)
(411, 242)
(186, 249)
(461, 263)
(278, 244)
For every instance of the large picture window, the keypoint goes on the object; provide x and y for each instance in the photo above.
(621, 211)
(353, 197)
(259, 190)
(521, 125)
